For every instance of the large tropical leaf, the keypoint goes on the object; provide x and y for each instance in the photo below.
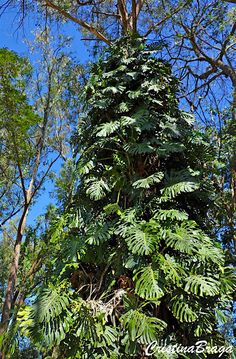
(172, 214)
(148, 181)
(139, 241)
(48, 319)
(98, 233)
(173, 270)
(228, 279)
(147, 284)
(97, 189)
(107, 128)
(183, 310)
(177, 183)
(139, 148)
(141, 327)
(200, 285)
(185, 238)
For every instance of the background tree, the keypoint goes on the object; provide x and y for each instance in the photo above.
(204, 56)
(34, 136)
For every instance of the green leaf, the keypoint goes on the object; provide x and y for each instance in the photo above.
(173, 190)
(139, 241)
(183, 310)
(114, 90)
(200, 285)
(228, 280)
(172, 270)
(149, 181)
(107, 128)
(185, 238)
(177, 183)
(47, 320)
(98, 233)
(147, 284)
(112, 208)
(139, 148)
(97, 189)
(141, 327)
(172, 214)
(134, 94)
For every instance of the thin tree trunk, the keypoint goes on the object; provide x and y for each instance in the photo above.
(9, 297)
(233, 171)
(28, 196)
(7, 306)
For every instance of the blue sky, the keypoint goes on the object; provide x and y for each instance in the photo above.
(14, 38)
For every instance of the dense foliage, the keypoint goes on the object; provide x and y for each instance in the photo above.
(16, 120)
(136, 254)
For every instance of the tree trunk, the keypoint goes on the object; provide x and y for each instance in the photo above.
(7, 306)
(233, 171)
(9, 298)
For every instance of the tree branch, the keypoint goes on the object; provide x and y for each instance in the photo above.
(13, 213)
(45, 175)
(213, 78)
(105, 13)
(82, 23)
(124, 15)
(167, 17)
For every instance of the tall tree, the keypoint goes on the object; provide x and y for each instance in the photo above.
(17, 120)
(138, 248)
(34, 135)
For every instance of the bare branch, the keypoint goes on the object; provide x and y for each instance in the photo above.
(13, 213)
(106, 13)
(139, 6)
(82, 23)
(124, 14)
(45, 175)
(167, 17)
(213, 78)
(224, 46)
